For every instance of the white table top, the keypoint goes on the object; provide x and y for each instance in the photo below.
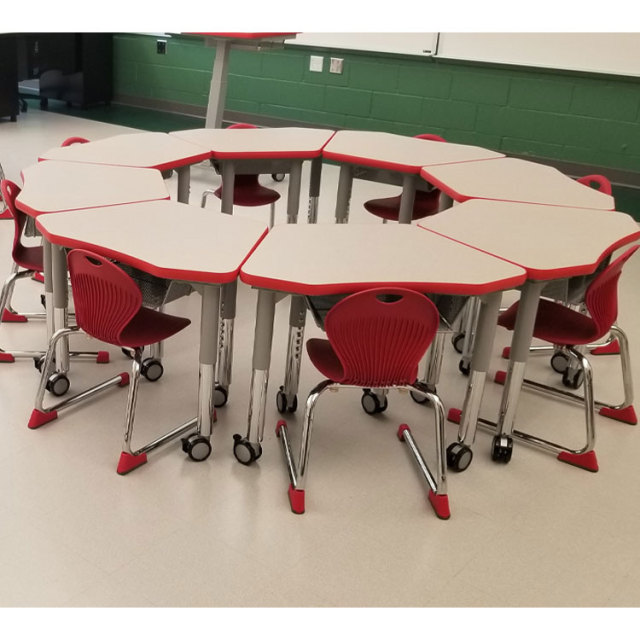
(147, 149)
(549, 242)
(164, 238)
(288, 142)
(322, 259)
(399, 153)
(62, 186)
(514, 180)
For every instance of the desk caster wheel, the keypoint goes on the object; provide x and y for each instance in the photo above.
(245, 452)
(459, 456)
(282, 404)
(58, 384)
(573, 379)
(501, 449)
(278, 177)
(198, 448)
(559, 361)
(220, 396)
(151, 369)
(371, 403)
(418, 397)
(464, 367)
(457, 341)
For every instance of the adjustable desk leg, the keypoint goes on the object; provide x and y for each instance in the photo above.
(343, 197)
(287, 398)
(487, 319)
(184, 180)
(314, 189)
(407, 199)
(218, 87)
(60, 305)
(228, 182)
(293, 194)
(207, 358)
(249, 449)
(225, 342)
(48, 285)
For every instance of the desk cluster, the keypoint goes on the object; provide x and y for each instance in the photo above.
(507, 229)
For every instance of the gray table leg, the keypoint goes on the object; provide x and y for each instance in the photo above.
(408, 196)
(218, 87)
(287, 400)
(184, 180)
(48, 285)
(248, 449)
(225, 342)
(314, 189)
(520, 343)
(345, 185)
(207, 358)
(293, 194)
(60, 305)
(228, 181)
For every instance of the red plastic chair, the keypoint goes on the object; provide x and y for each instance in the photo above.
(426, 203)
(568, 328)
(247, 190)
(597, 182)
(376, 338)
(4, 211)
(108, 306)
(27, 261)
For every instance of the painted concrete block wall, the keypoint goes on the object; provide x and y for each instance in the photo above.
(573, 117)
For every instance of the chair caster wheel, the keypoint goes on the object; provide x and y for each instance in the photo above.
(459, 456)
(464, 367)
(282, 403)
(573, 379)
(418, 397)
(220, 396)
(151, 369)
(198, 448)
(58, 384)
(278, 177)
(245, 452)
(371, 402)
(457, 340)
(501, 449)
(559, 361)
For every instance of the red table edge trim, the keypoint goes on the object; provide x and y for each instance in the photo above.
(36, 214)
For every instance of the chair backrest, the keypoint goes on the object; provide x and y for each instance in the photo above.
(597, 182)
(380, 335)
(601, 297)
(105, 297)
(430, 136)
(10, 191)
(73, 140)
(242, 125)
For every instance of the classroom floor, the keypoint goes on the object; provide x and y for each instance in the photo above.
(174, 533)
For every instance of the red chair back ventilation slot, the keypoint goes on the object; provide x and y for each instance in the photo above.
(105, 298)
(379, 336)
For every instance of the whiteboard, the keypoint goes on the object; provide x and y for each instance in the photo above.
(612, 53)
(422, 44)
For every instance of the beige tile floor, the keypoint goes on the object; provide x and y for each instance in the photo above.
(533, 533)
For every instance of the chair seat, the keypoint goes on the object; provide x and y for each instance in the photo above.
(556, 323)
(426, 203)
(149, 326)
(250, 193)
(29, 258)
(324, 359)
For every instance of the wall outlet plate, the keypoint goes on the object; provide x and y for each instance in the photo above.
(316, 63)
(336, 65)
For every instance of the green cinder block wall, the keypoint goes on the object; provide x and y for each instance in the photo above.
(591, 120)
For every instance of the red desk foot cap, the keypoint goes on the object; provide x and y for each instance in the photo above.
(282, 424)
(454, 415)
(38, 418)
(129, 462)
(440, 504)
(612, 348)
(124, 379)
(586, 460)
(500, 377)
(7, 316)
(6, 357)
(628, 414)
(296, 498)
(103, 357)
(38, 277)
(506, 352)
